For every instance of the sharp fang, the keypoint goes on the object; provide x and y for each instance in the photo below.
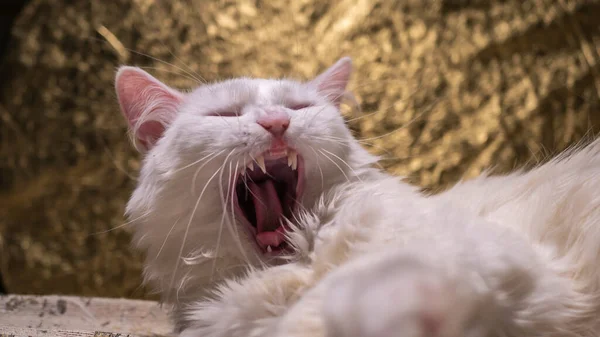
(251, 166)
(269, 249)
(293, 160)
(261, 163)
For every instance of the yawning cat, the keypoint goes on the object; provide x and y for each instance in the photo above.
(261, 215)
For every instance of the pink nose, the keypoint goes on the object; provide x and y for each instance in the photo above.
(274, 121)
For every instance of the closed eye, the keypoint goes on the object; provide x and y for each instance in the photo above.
(224, 114)
(300, 106)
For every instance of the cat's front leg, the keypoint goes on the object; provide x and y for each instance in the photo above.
(390, 294)
(476, 282)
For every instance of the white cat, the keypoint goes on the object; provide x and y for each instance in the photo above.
(256, 187)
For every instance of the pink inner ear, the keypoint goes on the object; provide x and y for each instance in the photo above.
(149, 133)
(333, 81)
(147, 104)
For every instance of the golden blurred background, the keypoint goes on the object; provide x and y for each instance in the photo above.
(447, 87)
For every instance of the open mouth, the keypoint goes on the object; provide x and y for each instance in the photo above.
(268, 192)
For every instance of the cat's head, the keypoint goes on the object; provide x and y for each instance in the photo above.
(226, 163)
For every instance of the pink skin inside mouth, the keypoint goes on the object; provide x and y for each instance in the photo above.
(264, 200)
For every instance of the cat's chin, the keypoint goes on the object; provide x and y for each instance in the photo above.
(268, 193)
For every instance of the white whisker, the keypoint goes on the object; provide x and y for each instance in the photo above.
(224, 199)
(201, 79)
(154, 59)
(187, 228)
(200, 168)
(233, 225)
(319, 167)
(166, 238)
(252, 193)
(125, 224)
(173, 72)
(198, 161)
(407, 124)
(345, 163)
(334, 163)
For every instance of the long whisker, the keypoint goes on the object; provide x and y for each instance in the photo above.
(166, 238)
(187, 228)
(203, 80)
(340, 141)
(344, 142)
(198, 172)
(419, 115)
(344, 162)
(150, 57)
(319, 167)
(224, 199)
(366, 115)
(145, 214)
(172, 72)
(252, 193)
(334, 163)
(379, 110)
(111, 156)
(337, 140)
(233, 226)
(198, 161)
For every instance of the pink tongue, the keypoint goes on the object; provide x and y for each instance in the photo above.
(267, 206)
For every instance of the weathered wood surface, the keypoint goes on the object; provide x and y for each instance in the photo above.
(51, 316)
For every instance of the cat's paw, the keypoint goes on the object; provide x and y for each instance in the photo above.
(399, 297)
(247, 307)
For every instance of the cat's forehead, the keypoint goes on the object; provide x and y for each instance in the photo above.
(250, 90)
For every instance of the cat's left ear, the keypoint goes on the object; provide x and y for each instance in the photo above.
(147, 104)
(333, 81)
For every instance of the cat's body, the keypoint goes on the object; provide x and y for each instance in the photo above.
(505, 256)
(494, 256)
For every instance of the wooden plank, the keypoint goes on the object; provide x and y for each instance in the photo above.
(49, 316)
(18, 332)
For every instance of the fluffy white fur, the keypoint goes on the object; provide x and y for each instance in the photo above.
(514, 255)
